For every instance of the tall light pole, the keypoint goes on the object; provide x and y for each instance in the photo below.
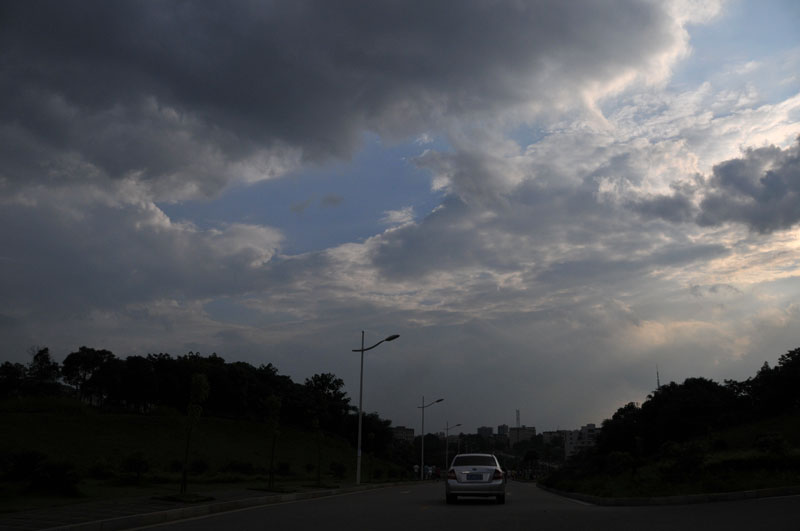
(362, 350)
(447, 429)
(422, 440)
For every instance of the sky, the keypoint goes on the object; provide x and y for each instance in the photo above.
(549, 201)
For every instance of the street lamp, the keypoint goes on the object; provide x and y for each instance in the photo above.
(422, 441)
(360, 393)
(447, 429)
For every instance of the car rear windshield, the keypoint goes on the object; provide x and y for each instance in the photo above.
(474, 460)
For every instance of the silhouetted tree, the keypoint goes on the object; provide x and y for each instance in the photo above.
(107, 383)
(79, 367)
(199, 390)
(329, 402)
(776, 390)
(43, 372)
(12, 379)
(272, 418)
(380, 429)
(680, 412)
(620, 432)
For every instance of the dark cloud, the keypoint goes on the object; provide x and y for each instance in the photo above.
(100, 257)
(761, 190)
(675, 208)
(180, 91)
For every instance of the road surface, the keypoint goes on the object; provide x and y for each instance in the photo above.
(422, 508)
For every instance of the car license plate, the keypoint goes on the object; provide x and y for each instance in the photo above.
(474, 477)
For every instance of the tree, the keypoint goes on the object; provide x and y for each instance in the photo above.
(272, 418)
(12, 379)
(138, 383)
(329, 401)
(620, 432)
(787, 376)
(79, 367)
(106, 383)
(198, 394)
(43, 372)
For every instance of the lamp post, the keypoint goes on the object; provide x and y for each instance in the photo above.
(447, 429)
(360, 394)
(422, 441)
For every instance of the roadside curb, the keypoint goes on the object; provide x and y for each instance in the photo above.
(677, 500)
(205, 509)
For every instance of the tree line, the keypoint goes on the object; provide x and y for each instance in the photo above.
(696, 436)
(161, 383)
(675, 413)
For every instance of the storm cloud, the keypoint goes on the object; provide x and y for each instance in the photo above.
(557, 194)
(761, 190)
(188, 97)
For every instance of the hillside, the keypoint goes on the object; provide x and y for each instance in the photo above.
(52, 448)
(754, 455)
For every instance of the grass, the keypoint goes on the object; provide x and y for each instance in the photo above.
(58, 451)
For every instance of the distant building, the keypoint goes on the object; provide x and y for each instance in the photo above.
(551, 437)
(403, 433)
(577, 440)
(502, 429)
(501, 442)
(523, 433)
(486, 432)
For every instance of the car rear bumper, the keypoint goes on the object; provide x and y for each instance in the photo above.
(493, 488)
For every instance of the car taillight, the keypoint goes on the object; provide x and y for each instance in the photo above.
(498, 474)
(451, 474)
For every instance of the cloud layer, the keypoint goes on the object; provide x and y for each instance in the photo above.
(189, 97)
(594, 220)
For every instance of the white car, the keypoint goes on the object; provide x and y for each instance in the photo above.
(475, 475)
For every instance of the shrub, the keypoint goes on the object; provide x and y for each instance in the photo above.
(23, 465)
(164, 411)
(687, 459)
(197, 467)
(719, 445)
(619, 462)
(100, 469)
(771, 443)
(338, 469)
(284, 468)
(135, 464)
(240, 467)
(58, 478)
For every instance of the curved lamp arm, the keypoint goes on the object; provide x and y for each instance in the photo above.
(390, 338)
(432, 403)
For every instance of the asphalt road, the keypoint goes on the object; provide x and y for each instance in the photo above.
(422, 508)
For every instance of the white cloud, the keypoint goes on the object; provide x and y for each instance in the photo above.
(398, 217)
